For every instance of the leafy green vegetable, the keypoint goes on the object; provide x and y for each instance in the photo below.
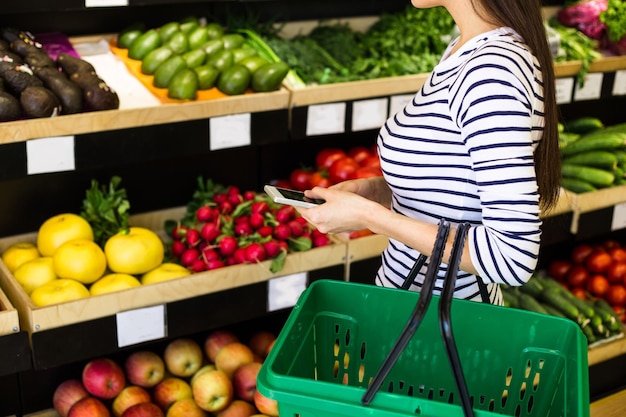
(614, 17)
(106, 209)
(575, 46)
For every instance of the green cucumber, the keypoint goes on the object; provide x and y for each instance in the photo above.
(510, 298)
(595, 141)
(532, 287)
(577, 186)
(555, 298)
(602, 306)
(584, 125)
(553, 311)
(620, 154)
(599, 159)
(566, 138)
(529, 303)
(596, 176)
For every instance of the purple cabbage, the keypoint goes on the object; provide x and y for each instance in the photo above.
(584, 16)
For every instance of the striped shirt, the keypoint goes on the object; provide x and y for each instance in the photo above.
(462, 149)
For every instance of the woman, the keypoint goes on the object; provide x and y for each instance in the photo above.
(477, 143)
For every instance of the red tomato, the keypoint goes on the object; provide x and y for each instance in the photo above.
(579, 292)
(318, 179)
(580, 253)
(367, 172)
(577, 276)
(342, 169)
(611, 244)
(359, 153)
(616, 272)
(300, 179)
(558, 269)
(618, 254)
(371, 161)
(616, 295)
(325, 158)
(598, 262)
(598, 285)
(621, 312)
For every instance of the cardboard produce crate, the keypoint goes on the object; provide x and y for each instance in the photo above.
(35, 319)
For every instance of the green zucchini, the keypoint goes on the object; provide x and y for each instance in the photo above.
(577, 185)
(596, 176)
(597, 141)
(553, 311)
(599, 159)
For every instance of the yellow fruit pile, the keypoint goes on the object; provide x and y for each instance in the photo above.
(66, 264)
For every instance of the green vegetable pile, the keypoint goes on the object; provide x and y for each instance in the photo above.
(408, 42)
(614, 17)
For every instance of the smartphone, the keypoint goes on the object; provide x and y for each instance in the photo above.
(291, 197)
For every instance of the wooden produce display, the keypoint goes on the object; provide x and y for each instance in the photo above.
(37, 319)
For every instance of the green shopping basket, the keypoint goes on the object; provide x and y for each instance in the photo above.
(515, 362)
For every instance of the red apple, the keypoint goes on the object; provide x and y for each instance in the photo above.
(144, 368)
(217, 340)
(265, 404)
(237, 408)
(66, 394)
(212, 390)
(103, 378)
(183, 357)
(89, 407)
(143, 410)
(168, 391)
(244, 380)
(260, 342)
(186, 407)
(129, 396)
(232, 356)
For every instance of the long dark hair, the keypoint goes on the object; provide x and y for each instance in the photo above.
(524, 16)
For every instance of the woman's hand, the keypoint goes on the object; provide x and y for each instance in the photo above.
(345, 210)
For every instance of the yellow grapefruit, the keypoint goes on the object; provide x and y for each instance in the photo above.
(58, 291)
(165, 272)
(80, 259)
(134, 252)
(18, 253)
(34, 273)
(59, 229)
(113, 282)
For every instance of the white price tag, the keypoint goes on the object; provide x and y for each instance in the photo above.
(564, 88)
(619, 83)
(592, 88)
(283, 292)
(369, 114)
(230, 131)
(140, 325)
(53, 154)
(325, 119)
(619, 217)
(105, 3)
(399, 102)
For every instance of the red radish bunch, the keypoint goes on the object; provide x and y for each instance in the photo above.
(224, 226)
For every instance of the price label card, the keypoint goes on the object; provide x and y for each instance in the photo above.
(283, 292)
(53, 154)
(140, 325)
(619, 83)
(564, 88)
(230, 131)
(326, 119)
(591, 89)
(105, 3)
(398, 103)
(619, 217)
(369, 114)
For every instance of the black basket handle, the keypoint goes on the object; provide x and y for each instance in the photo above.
(445, 318)
(418, 312)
